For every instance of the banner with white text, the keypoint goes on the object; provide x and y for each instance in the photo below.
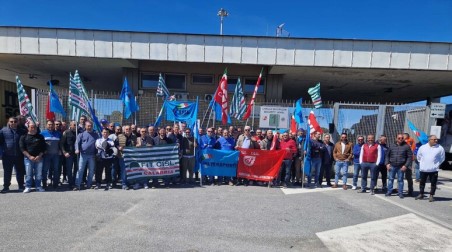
(219, 162)
(151, 162)
(261, 165)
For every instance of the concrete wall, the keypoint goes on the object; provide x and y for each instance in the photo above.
(227, 49)
(9, 101)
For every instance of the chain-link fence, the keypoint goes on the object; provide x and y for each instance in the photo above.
(337, 118)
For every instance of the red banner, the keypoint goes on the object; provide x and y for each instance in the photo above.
(262, 165)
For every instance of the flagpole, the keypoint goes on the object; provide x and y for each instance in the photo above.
(252, 122)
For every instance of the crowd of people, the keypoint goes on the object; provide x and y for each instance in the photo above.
(76, 156)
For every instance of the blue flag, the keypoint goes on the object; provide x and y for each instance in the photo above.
(55, 104)
(181, 112)
(195, 126)
(218, 112)
(128, 99)
(159, 117)
(423, 138)
(298, 114)
(96, 125)
(307, 156)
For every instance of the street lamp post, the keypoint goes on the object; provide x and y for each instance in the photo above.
(222, 13)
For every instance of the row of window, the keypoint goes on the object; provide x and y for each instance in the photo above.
(177, 82)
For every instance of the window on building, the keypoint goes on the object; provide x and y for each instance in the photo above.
(232, 81)
(199, 79)
(248, 85)
(149, 80)
(175, 81)
(172, 81)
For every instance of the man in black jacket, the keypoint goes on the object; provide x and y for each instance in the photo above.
(12, 156)
(398, 159)
(67, 145)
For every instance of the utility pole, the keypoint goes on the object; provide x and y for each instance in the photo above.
(222, 13)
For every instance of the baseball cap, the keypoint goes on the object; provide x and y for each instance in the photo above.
(103, 121)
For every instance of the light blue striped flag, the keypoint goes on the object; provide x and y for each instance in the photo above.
(238, 105)
(315, 95)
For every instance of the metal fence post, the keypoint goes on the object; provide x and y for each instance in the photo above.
(380, 121)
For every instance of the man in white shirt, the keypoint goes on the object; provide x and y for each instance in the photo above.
(430, 157)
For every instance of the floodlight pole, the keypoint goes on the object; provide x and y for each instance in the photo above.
(222, 13)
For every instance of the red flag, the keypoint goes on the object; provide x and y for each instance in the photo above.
(274, 141)
(250, 107)
(313, 124)
(293, 125)
(49, 115)
(221, 96)
(262, 165)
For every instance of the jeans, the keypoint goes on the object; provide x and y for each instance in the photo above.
(18, 163)
(356, 169)
(103, 163)
(286, 165)
(373, 175)
(33, 169)
(400, 174)
(416, 168)
(316, 164)
(71, 169)
(433, 176)
(409, 179)
(122, 167)
(51, 167)
(341, 168)
(84, 160)
(384, 174)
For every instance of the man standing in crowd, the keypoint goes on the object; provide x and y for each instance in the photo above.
(299, 157)
(52, 156)
(85, 145)
(207, 142)
(246, 141)
(356, 164)
(104, 146)
(159, 140)
(33, 146)
(397, 160)
(12, 155)
(151, 131)
(409, 172)
(144, 139)
(128, 139)
(290, 147)
(225, 142)
(327, 160)
(81, 124)
(342, 154)
(381, 166)
(430, 157)
(266, 143)
(67, 146)
(188, 157)
(317, 149)
(369, 159)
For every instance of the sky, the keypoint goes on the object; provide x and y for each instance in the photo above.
(408, 20)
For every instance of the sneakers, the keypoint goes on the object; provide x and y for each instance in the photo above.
(40, 189)
(344, 187)
(372, 192)
(231, 183)
(27, 190)
(420, 197)
(146, 187)
(354, 188)
(401, 196)
(75, 189)
(124, 187)
(431, 199)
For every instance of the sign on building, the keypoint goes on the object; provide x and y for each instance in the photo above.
(274, 117)
(437, 110)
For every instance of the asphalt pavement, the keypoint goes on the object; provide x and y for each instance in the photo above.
(225, 218)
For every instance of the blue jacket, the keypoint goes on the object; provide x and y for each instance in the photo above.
(384, 149)
(225, 143)
(9, 141)
(356, 152)
(86, 143)
(207, 142)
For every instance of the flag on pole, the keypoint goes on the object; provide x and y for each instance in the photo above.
(128, 99)
(293, 125)
(238, 105)
(250, 106)
(315, 95)
(162, 90)
(421, 135)
(274, 141)
(313, 124)
(298, 114)
(221, 96)
(307, 149)
(49, 114)
(25, 106)
(159, 117)
(54, 102)
(80, 102)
